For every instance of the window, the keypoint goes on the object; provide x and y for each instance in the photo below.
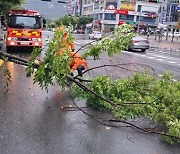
(139, 8)
(126, 17)
(146, 19)
(18, 21)
(96, 16)
(110, 16)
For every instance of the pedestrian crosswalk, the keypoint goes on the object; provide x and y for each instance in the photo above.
(83, 42)
(77, 42)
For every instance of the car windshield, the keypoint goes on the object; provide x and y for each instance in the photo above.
(18, 21)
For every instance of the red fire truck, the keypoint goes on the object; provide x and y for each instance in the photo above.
(24, 29)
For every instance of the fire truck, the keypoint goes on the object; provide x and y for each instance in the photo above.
(24, 29)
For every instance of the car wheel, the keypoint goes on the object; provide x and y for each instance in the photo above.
(128, 49)
(143, 50)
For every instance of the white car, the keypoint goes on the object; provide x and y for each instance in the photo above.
(176, 34)
(95, 35)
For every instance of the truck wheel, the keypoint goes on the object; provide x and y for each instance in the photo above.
(9, 49)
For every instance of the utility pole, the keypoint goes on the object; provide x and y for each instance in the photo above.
(139, 20)
(80, 11)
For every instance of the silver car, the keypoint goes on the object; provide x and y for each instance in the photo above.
(139, 43)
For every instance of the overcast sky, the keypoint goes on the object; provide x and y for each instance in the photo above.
(50, 10)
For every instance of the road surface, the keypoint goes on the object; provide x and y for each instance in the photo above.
(33, 121)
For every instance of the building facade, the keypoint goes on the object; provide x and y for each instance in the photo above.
(108, 14)
(172, 12)
(74, 7)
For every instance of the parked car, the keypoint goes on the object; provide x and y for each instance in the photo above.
(75, 31)
(53, 29)
(139, 43)
(176, 34)
(95, 35)
(80, 31)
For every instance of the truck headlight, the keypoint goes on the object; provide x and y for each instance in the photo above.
(37, 39)
(12, 38)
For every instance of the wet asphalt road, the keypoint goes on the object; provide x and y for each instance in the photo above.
(34, 122)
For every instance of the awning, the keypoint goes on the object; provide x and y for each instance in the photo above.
(121, 22)
(131, 22)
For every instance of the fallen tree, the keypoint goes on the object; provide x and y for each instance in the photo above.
(143, 94)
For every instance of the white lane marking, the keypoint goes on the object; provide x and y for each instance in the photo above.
(171, 62)
(151, 57)
(155, 55)
(147, 56)
(160, 59)
(142, 55)
(77, 42)
(83, 41)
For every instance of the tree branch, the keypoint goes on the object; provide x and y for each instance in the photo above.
(145, 130)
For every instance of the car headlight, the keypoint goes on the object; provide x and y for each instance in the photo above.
(37, 39)
(12, 38)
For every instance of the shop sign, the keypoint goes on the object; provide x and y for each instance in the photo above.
(128, 6)
(121, 12)
(132, 13)
(108, 22)
(111, 7)
(149, 9)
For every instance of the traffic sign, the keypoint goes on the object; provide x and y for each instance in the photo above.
(178, 8)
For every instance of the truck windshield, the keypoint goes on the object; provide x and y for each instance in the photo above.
(17, 21)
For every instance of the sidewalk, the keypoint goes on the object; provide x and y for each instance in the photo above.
(168, 44)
